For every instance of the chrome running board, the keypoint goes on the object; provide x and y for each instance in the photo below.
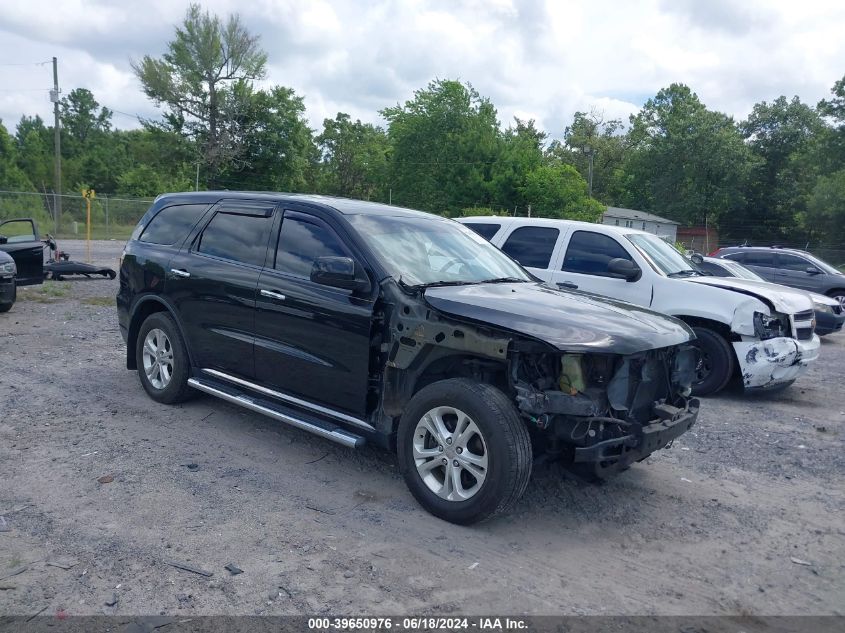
(280, 413)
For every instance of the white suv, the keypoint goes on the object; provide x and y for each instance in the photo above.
(765, 336)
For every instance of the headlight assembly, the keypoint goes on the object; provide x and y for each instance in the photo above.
(8, 268)
(773, 326)
(822, 307)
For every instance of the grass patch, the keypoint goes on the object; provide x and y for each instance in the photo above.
(48, 292)
(99, 301)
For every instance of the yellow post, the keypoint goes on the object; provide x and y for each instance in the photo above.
(88, 194)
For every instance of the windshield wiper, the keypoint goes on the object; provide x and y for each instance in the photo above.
(689, 272)
(435, 284)
(503, 280)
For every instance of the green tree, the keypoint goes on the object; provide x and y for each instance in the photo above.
(278, 151)
(354, 158)
(592, 136)
(559, 191)
(830, 152)
(205, 81)
(825, 213)
(687, 163)
(444, 142)
(83, 121)
(34, 152)
(88, 152)
(781, 135)
(520, 152)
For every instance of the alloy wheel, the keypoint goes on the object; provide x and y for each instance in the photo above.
(450, 454)
(158, 358)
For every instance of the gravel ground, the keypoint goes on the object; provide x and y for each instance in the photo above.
(743, 515)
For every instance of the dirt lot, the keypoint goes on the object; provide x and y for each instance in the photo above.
(743, 515)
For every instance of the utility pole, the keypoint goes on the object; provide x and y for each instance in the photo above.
(57, 141)
(592, 153)
(197, 181)
(529, 210)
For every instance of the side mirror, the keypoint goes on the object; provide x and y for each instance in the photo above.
(810, 270)
(3, 239)
(696, 258)
(339, 272)
(624, 269)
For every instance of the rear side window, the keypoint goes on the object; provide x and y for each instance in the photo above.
(767, 260)
(239, 237)
(172, 224)
(487, 231)
(589, 253)
(301, 242)
(532, 246)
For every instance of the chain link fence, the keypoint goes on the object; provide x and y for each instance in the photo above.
(112, 217)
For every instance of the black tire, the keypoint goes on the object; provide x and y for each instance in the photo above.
(717, 362)
(177, 389)
(5, 307)
(508, 449)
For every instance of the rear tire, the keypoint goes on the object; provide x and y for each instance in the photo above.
(716, 365)
(476, 429)
(163, 363)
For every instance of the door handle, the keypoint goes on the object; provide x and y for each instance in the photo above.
(180, 272)
(567, 284)
(272, 295)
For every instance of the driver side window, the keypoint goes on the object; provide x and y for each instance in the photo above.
(301, 242)
(589, 253)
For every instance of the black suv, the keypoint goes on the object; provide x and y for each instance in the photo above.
(365, 322)
(789, 267)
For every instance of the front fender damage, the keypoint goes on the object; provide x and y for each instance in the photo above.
(742, 322)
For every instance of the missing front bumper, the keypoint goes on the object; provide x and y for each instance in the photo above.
(619, 453)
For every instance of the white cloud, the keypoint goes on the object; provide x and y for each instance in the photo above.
(533, 58)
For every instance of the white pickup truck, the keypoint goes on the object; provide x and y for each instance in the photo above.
(766, 337)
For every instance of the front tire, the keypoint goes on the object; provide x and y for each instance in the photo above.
(716, 365)
(476, 429)
(838, 294)
(5, 307)
(163, 364)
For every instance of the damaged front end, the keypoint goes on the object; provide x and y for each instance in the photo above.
(602, 412)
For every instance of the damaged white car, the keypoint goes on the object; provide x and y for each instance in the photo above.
(764, 338)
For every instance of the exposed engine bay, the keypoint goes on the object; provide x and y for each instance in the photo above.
(606, 410)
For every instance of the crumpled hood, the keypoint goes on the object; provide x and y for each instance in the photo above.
(569, 321)
(784, 299)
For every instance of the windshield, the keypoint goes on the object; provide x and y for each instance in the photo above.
(423, 251)
(738, 270)
(822, 264)
(663, 256)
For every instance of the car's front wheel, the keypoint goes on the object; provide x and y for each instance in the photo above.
(715, 364)
(839, 295)
(5, 307)
(463, 450)
(163, 364)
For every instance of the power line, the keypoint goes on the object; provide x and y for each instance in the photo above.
(49, 61)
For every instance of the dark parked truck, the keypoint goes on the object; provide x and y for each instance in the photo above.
(365, 322)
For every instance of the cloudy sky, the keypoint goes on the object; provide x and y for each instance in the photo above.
(534, 58)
